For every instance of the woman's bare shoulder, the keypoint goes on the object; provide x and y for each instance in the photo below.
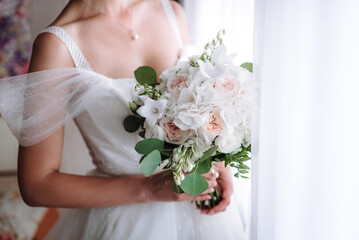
(180, 16)
(49, 52)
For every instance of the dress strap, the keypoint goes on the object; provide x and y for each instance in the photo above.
(171, 16)
(76, 54)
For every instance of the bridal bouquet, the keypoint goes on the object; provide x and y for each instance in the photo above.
(197, 115)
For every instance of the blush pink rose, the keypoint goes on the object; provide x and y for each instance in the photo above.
(214, 125)
(173, 134)
(178, 84)
(227, 84)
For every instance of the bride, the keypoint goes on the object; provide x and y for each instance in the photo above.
(92, 50)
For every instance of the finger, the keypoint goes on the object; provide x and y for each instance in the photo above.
(211, 178)
(186, 197)
(201, 197)
(212, 183)
(226, 196)
(204, 211)
(208, 175)
(209, 190)
(220, 207)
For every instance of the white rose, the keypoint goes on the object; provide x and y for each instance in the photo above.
(155, 132)
(227, 143)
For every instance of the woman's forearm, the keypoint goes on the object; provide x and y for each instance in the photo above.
(72, 191)
(41, 183)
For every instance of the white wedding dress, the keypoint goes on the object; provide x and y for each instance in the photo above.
(99, 105)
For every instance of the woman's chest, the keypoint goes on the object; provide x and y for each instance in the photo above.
(116, 55)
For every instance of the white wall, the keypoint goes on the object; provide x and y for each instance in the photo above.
(43, 13)
(8, 148)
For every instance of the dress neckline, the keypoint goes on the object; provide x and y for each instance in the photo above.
(80, 60)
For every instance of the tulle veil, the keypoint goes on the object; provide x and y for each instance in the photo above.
(36, 104)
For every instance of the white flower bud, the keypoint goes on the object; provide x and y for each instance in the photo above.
(175, 157)
(188, 167)
(177, 180)
(182, 176)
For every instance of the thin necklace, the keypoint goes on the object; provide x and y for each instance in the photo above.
(134, 36)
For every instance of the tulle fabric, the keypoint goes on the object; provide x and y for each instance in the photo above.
(35, 105)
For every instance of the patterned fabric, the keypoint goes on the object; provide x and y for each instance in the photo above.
(76, 54)
(15, 39)
(16, 218)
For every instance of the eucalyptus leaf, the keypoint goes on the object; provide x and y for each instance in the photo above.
(167, 153)
(142, 133)
(147, 145)
(177, 188)
(207, 154)
(132, 123)
(194, 184)
(204, 167)
(146, 75)
(151, 162)
(141, 159)
(248, 66)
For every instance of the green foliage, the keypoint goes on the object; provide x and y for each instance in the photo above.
(194, 184)
(146, 75)
(166, 152)
(148, 145)
(248, 66)
(177, 188)
(207, 154)
(151, 162)
(142, 134)
(204, 166)
(132, 123)
(238, 160)
(235, 160)
(211, 47)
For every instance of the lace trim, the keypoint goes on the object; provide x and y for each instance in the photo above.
(76, 54)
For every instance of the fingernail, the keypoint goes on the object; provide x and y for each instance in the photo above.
(212, 190)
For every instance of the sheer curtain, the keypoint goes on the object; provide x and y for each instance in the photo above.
(205, 18)
(305, 180)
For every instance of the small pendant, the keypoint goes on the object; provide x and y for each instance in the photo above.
(134, 36)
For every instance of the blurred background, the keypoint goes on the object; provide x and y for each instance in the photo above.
(21, 21)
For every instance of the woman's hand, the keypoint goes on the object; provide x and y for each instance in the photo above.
(160, 188)
(225, 186)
